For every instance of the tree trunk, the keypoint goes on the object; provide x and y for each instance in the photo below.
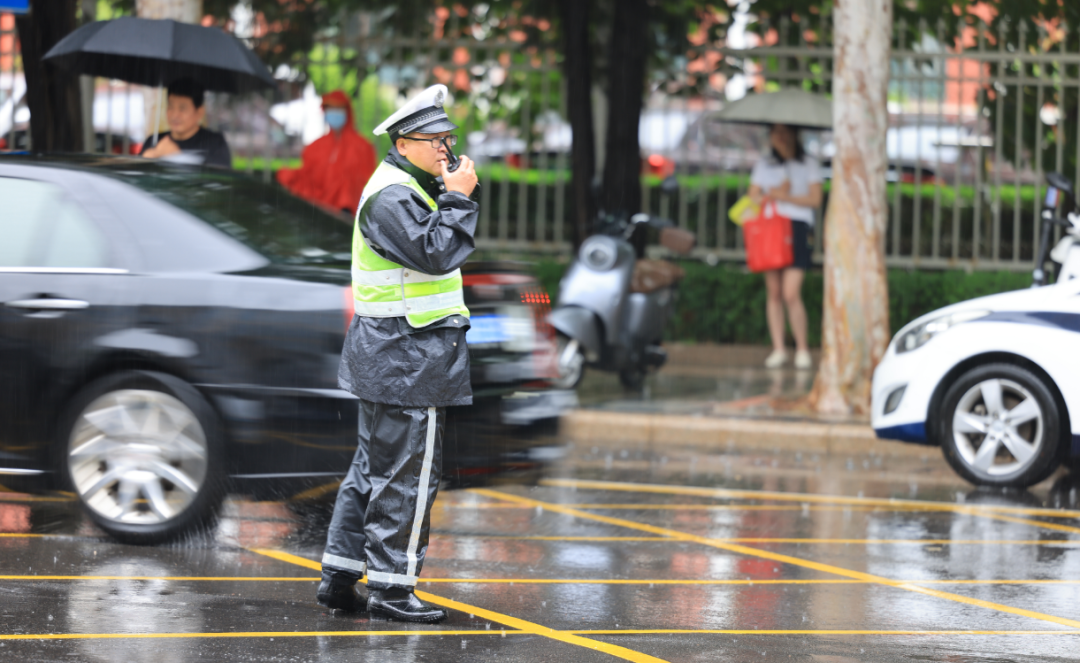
(577, 68)
(185, 11)
(52, 95)
(626, 85)
(855, 326)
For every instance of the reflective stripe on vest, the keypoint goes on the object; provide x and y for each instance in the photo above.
(385, 289)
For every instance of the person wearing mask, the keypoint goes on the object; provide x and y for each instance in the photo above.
(405, 358)
(791, 179)
(334, 168)
(185, 113)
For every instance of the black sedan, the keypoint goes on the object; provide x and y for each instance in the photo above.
(168, 334)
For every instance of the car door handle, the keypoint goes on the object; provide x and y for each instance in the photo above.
(49, 304)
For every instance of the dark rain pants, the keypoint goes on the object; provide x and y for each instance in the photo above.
(382, 517)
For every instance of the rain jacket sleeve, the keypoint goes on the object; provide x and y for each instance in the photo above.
(409, 233)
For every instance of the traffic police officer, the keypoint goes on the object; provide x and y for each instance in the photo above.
(405, 358)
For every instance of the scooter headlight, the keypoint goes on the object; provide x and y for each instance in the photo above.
(599, 253)
(918, 336)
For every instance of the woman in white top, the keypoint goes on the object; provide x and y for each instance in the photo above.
(791, 179)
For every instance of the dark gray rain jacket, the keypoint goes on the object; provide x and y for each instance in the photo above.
(385, 360)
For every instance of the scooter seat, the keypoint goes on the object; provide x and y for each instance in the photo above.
(652, 275)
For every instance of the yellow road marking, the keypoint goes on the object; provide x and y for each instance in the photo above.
(316, 492)
(480, 505)
(499, 618)
(571, 634)
(22, 497)
(597, 539)
(1026, 521)
(244, 634)
(926, 542)
(563, 581)
(920, 542)
(743, 507)
(734, 581)
(809, 498)
(776, 557)
(808, 632)
(169, 578)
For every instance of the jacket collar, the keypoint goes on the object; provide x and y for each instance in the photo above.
(426, 181)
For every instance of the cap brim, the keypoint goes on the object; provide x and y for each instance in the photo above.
(436, 127)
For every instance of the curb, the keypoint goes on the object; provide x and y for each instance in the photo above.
(665, 432)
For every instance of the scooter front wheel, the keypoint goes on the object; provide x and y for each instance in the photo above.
(571, 362)
(633, 378)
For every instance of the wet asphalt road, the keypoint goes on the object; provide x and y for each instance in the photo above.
(698, 557)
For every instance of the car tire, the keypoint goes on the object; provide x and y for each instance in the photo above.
(143, 452)
(570, 363)
(1012, 410)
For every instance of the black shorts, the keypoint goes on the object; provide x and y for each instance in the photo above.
(800, 244)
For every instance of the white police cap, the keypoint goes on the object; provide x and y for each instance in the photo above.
(423, 113)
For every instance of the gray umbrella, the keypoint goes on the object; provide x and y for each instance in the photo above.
(790, 106)
(156, 52)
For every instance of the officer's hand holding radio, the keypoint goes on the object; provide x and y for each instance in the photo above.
(463, 179)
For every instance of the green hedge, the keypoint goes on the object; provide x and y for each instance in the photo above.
(726, 304)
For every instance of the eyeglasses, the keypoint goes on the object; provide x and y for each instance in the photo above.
(436, 143)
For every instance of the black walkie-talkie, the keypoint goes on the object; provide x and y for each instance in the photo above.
(453, 161)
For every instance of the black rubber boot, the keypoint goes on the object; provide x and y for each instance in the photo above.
(338, 594)
(402, 605)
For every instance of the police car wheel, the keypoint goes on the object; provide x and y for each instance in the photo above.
(1000, 425)
(142, 450)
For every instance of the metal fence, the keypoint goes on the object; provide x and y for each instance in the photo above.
(973, 127)
(975, 122)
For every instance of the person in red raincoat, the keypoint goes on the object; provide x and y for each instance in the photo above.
(336, 167)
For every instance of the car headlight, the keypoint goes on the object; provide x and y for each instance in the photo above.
(916, 337)
(599, 253)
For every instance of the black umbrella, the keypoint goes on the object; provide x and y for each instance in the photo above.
(156, 52)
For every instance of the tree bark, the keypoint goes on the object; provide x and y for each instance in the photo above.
(628, 53)
(577, 69)
(185, 11)
(855, 326)
(52, 95)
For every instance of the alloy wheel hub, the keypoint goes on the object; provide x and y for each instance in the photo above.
(137, 456)
(998, 428)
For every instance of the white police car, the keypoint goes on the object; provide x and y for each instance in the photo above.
(995, 381)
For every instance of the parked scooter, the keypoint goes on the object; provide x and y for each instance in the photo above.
(612, 307)
(1067, 251)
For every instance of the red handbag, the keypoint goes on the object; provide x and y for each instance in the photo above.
(768, 240)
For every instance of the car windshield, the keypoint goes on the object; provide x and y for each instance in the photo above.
(265, 217)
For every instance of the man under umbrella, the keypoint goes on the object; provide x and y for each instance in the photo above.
(405, 358)
(185, 112)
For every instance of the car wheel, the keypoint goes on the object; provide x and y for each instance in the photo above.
(142, 451)
(1000, 425)
(571, 363)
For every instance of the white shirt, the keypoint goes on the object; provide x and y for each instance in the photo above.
(768, 174)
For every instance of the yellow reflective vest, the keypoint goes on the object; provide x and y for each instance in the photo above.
(385, 289)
